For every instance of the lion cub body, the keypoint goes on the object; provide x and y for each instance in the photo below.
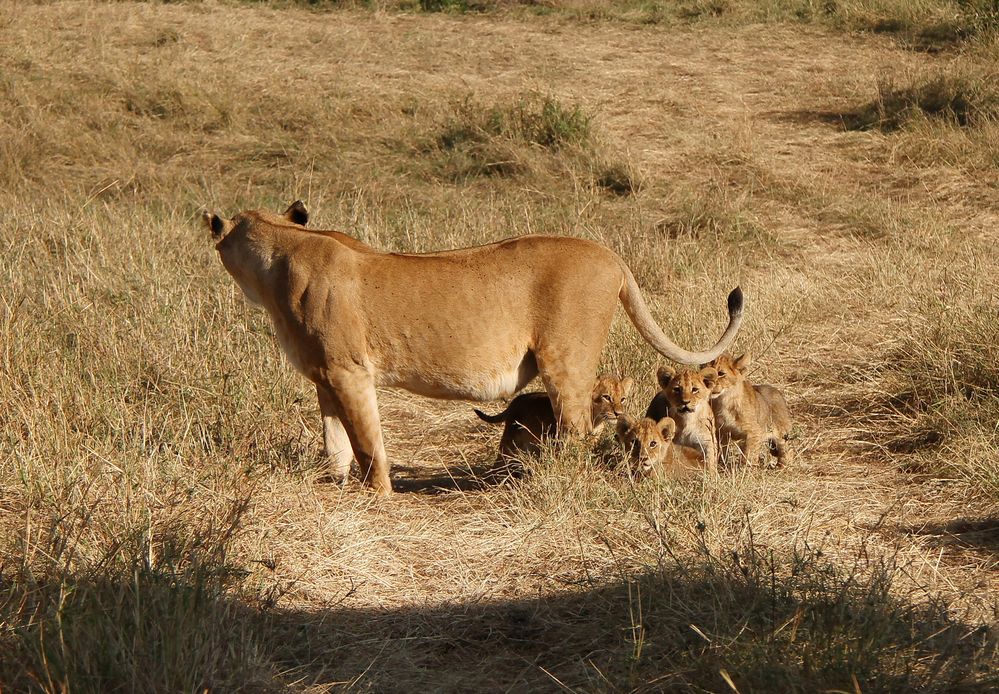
(651, 450)
(530, 418)
(756, 417)
(475, 323)
(685, 397)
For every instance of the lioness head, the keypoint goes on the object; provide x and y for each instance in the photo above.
(239, 241)
(609, 396)
(220, 227)
(686, 389)
(731, 372)
(648, 442)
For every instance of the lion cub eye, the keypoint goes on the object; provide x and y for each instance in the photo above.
(721, 374)
(605, 397)
(652, 444)
(694, 390)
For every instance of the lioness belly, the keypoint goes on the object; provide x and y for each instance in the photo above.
(492, 382)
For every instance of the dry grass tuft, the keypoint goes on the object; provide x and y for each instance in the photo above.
(965, 100)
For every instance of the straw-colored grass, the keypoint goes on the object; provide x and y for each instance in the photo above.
(164, 525)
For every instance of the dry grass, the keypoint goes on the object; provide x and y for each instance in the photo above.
(162, 524)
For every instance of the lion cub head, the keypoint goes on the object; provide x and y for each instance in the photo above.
(648, 443)
(609, 395)
(686, 390)
(730, 372)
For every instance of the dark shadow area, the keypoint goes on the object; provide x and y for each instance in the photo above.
(407, 479)
(962, 100)
(982, 533)
(838, 119)
(767, 624)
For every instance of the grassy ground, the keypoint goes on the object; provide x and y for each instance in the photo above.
(162, 524)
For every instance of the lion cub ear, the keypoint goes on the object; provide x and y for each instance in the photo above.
(667, 427)
(709, 375)
(664, 375)
(297, 214)
(626, 385)
(215, 224)
(744, 361)
(623, 427)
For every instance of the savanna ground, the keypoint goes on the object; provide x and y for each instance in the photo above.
(163, 522)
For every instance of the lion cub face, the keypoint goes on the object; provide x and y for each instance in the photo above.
(609, 395)
(686, 391)
(730, 372)
(648, 443)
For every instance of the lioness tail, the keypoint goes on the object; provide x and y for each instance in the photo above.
(638, 311)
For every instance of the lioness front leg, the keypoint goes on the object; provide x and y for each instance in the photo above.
(336, 443)
(354, 398)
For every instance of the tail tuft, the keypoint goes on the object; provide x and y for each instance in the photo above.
(735, 300)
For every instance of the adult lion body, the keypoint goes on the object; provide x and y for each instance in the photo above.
(474, 324)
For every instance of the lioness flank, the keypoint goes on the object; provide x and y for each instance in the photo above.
(473, 324)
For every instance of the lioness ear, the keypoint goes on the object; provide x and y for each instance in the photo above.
(627, 384)
(215, 224)
(623, 426)
(664, 375)
(297, 214)
(709, 375)
(667, 427)
(744, 361)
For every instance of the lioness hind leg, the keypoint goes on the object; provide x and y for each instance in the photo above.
(571, 405)
(355, 400)
(569, 384)
(336, 443)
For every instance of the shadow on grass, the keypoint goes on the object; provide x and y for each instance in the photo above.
(750, 622)
(965, 532)
(411, 479)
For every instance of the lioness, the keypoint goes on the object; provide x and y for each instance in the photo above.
(685, 396)
(650, 448)
(529, 417)
(755, 417)
(475, 324)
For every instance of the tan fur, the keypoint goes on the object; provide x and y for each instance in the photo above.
(529, 418)
(651, 450)
(476, 324)
(685, 396)
(754, 417)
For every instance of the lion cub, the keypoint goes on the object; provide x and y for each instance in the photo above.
(750, 415)
(529, 417)
(685, 397)
(650, 448)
